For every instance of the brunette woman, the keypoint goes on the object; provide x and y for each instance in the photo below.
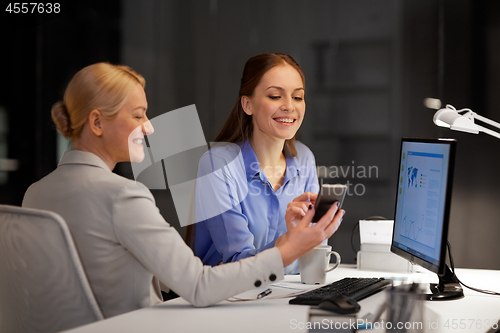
(253, 187)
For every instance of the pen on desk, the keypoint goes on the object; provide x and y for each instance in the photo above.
(264, 293)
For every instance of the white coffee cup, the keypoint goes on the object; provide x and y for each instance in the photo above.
(313, 265)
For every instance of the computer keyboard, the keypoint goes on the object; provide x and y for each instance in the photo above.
(355, 288)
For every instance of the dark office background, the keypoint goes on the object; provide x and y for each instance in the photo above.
(369, 65)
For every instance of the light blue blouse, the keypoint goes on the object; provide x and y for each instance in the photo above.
(240, 213)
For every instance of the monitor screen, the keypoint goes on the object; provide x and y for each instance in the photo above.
(423, 201)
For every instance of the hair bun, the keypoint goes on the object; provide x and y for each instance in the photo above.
(60, 116)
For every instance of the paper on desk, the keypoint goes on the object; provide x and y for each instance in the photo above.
(279, 290)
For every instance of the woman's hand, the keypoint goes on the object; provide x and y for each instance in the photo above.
(295, 211)
(298, 208)
(303, 237)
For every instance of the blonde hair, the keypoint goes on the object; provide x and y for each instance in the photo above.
(102, 86)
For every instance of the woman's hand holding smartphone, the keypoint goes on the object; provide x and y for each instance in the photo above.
(327, 196)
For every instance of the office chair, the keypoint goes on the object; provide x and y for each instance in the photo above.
(43, 287)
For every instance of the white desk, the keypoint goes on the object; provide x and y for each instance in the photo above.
(276, 315)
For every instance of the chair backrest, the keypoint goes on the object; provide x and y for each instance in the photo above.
(43, 287)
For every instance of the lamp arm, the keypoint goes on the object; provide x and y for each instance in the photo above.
(486, 120)
(488, 131)
(472, 116)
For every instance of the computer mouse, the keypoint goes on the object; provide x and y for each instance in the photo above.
(340, 304)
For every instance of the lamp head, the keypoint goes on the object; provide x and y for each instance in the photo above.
(450, 118)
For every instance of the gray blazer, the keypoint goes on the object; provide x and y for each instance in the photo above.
(127, 247)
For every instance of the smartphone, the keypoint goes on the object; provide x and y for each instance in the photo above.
(327, 196)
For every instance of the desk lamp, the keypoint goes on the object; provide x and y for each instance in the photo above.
(458, 121)
(463, 120)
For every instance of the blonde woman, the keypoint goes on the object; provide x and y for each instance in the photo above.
(126, 246)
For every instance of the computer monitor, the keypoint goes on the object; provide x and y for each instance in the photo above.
(423, 209)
